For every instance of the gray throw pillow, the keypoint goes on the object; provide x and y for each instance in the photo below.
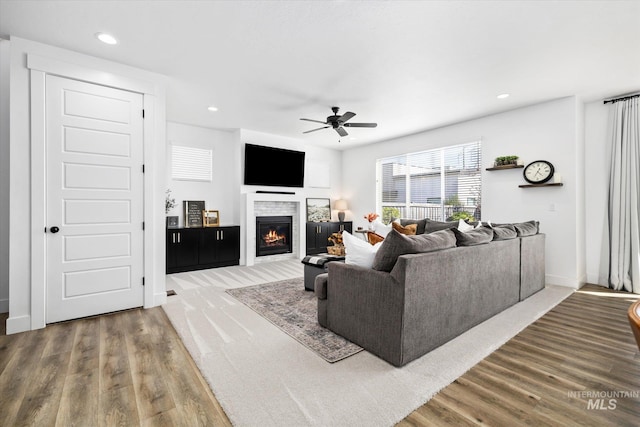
(504, 232)
(477, 236)
(528, 228)
(430, 225)
(396, 244)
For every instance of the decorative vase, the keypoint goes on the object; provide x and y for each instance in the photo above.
(371, 227)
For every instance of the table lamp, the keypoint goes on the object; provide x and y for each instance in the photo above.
(341, 206)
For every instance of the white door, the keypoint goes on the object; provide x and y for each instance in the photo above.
(94, 207)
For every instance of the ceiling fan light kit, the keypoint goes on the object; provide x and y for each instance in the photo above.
(339, 122)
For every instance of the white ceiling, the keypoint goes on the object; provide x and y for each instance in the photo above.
(407, 65)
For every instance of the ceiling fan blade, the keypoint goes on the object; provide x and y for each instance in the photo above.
(360, 125)
(315, 121)
(313, 130)
(341, 131)
(346, 116)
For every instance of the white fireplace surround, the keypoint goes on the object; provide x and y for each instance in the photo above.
(248, 229)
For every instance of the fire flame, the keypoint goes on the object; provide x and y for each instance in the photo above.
(272, 237)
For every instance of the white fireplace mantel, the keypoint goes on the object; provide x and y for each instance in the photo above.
(248, 229)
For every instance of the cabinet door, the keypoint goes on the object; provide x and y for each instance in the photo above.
(317, 237)
(209, 245)
(228, 244)
(182, 248)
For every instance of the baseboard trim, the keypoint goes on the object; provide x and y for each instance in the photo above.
(562, 281)
(18, 324)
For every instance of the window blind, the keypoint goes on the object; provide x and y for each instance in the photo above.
(191, 164)
(440, 184)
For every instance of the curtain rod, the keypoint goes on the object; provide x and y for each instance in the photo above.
(622, 98)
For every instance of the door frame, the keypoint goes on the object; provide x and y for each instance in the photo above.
(39, 67)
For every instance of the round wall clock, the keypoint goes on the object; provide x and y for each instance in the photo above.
(538, 172)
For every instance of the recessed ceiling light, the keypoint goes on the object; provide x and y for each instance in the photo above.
(106, 38)
(353, 138)
(212, 108)
(503, 96)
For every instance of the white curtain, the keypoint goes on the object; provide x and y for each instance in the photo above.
(624, 197)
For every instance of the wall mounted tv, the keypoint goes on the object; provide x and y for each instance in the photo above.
(275, 167)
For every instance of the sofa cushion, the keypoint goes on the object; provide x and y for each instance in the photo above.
(430, 225)
(357, 251)
(464, 227)
(528, 228)
(477, 236)
(420, 224)
(396, 244)
(374, 238)
(409, 229)
(380, 228)
(504, 232)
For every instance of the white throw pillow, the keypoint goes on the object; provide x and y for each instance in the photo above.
(463, 226)
(380, 229)
(357, 251)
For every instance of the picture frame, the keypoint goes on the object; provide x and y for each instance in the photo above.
(193, 213)
(210, 218)
(172, 222)
(318, 210)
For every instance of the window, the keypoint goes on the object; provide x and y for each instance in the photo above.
(441, 184)
(191, 164)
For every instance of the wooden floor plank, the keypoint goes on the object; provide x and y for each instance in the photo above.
(582, 345)
(131, 368)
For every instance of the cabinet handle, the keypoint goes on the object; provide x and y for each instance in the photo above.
(178, 237)
(221, 234)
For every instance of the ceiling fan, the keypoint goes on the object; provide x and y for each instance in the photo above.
(339, 122)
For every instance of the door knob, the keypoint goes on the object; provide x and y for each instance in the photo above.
(54, 229)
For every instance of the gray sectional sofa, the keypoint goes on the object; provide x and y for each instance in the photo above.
(428, 298)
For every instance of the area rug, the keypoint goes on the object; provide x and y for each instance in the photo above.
(263, 377)
(288, 306)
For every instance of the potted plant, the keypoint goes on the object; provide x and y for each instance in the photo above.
(506, 160)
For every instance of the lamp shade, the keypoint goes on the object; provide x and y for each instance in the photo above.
(340, 205)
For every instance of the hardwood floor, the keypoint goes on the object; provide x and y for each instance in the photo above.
(130, 368)
(561, 370)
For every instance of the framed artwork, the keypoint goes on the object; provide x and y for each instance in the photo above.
(172, 222)
(318, 210)
(210, 218)
(193, 213)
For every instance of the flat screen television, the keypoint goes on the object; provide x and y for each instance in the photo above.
(275, 167)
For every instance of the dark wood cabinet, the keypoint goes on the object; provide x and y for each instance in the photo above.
(199, 248)
(318, 234)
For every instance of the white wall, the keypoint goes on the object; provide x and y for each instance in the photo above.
(219, 194)
(546, 131)
(4, 176)
(597, 158)
(20, 175)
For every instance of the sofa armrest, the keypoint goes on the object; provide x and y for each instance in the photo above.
(532, 265)
(320, 285)
(365, 306)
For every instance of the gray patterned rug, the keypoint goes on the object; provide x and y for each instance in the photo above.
(288, 306)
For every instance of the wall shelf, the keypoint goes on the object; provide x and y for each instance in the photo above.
(499, 168)
(553, 184)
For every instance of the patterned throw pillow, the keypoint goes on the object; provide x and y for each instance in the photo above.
(374, 238)
(408, 230)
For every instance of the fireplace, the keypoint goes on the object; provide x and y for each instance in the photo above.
(273, 235)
